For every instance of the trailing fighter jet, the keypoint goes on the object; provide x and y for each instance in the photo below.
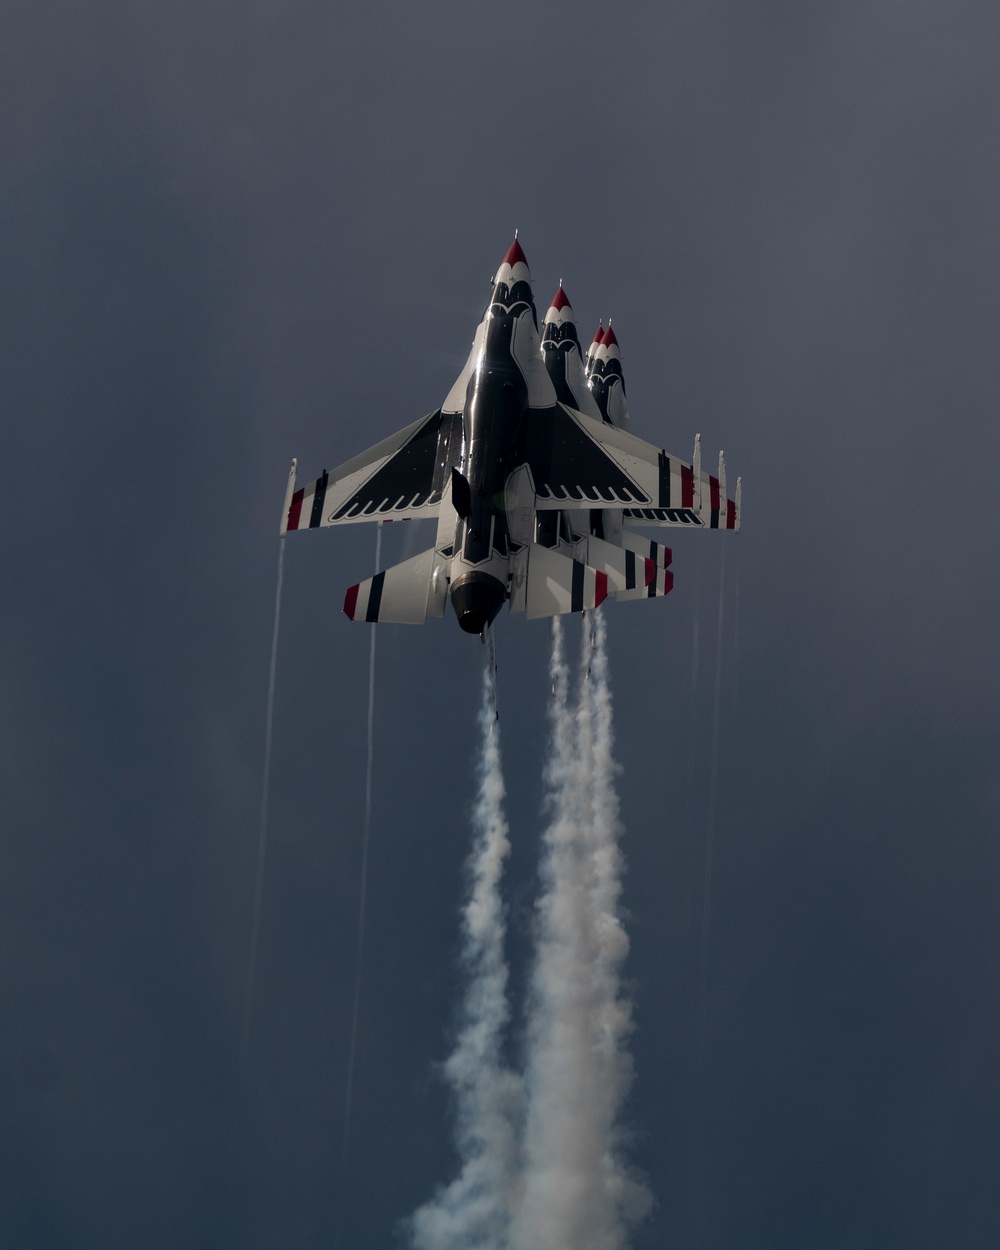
(596, 387)
(514, 466)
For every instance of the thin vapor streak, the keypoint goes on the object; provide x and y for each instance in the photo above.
(472, 1213)
(366, 837)
(262, 835)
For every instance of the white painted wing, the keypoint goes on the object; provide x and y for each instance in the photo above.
(401, 477)
(577, 462)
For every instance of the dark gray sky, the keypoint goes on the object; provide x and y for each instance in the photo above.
(233, 234)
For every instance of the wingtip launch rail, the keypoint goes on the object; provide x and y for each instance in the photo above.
(533, 474)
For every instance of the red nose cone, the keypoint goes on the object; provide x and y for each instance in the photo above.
(599, 336)
(609, 339)
(559, 300)
(514, 254)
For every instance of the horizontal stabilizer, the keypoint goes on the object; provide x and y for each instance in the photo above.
(661, 556)
(625, 569)
(402, 595)
(637, 569)
(662, 583)
(556, 583)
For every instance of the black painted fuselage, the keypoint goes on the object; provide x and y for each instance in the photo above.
(495, 409)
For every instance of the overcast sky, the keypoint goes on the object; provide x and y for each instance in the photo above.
(232, 234)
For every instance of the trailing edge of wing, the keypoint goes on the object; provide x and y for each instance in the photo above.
(715, 511)
(403, 476)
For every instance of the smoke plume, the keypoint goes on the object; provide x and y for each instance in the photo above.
(472, 1212)
(543, 1159)
(577, 1190)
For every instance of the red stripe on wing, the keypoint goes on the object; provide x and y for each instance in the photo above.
(687, 486)
(295, 509)
(713, 487)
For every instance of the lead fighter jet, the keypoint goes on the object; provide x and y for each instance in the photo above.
(531, 474)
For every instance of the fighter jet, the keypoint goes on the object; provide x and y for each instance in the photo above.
(596, 387)
(513, 442)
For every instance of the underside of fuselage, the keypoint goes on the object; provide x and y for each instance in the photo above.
(496, 408)
(531, 473)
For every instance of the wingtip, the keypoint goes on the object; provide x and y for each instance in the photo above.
(284, 525)
(351, 601)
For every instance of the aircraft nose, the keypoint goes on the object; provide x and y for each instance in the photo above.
(515, 254)
(559, 326)
(513, 279)
(560, 310)
(588, 362)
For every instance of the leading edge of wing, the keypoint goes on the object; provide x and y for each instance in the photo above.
(402, 476)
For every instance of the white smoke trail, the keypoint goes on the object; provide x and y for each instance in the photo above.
(365, 839)
(262, 835)
(577, 1189)
(626, 1193)
(472, 1212)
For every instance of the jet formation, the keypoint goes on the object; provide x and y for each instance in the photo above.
(533, 475)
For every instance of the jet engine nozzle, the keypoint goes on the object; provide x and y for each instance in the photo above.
(477, 599)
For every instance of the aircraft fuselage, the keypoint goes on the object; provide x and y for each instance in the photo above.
(495, 408)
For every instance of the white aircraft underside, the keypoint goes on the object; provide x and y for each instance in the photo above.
(502, 454)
